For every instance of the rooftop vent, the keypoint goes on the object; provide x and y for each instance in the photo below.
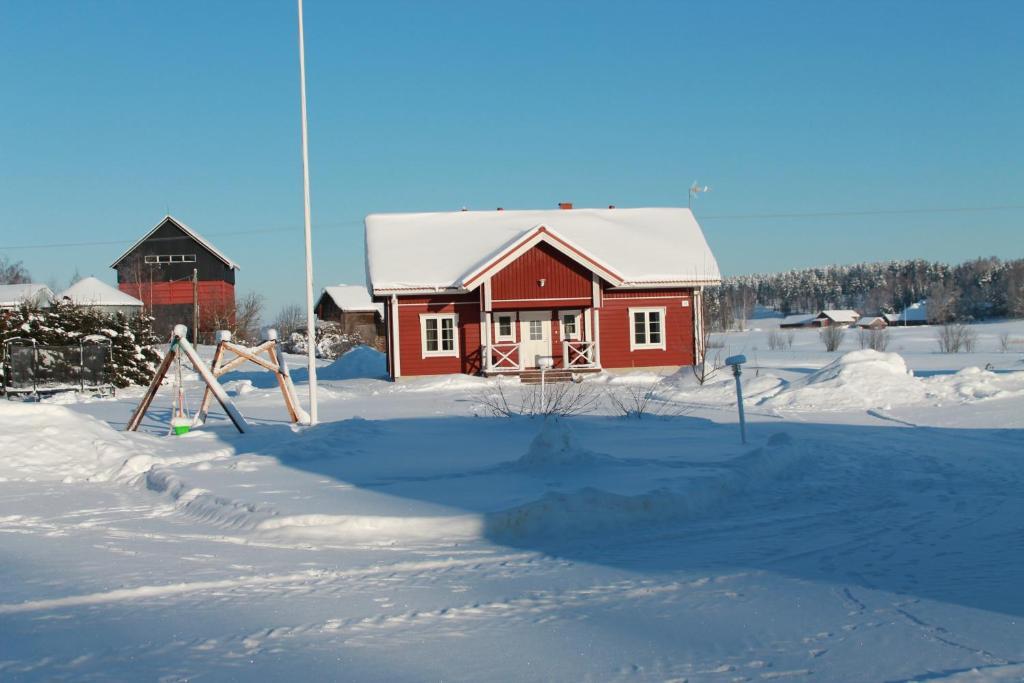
(565, 206)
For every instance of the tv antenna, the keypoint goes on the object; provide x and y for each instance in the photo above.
(695, 190)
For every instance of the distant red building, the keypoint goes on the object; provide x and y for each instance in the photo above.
(494, 292)
(159, 269)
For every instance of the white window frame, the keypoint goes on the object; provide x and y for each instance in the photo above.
(647, 310)
(577, 314)
(169, 258)
(498, 336)
(440, 353)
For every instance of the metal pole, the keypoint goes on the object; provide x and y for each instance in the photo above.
(310, 323)
(739, 404)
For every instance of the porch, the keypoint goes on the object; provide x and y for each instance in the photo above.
(508, 358)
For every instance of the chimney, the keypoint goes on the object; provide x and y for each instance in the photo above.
(565, 206)
(611, 206)
(500, 209)
(463, 209)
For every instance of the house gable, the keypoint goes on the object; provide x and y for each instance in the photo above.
(541, 273)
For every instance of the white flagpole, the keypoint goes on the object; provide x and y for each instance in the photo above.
(310, 324)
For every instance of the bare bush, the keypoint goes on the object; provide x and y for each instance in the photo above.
(790, 336)
(776, 342)
(956, 337)
(832, 337)
(562, 399)
(709, 365)
(290, 318)
(1006, 342)
(639, 399)
(877, 340)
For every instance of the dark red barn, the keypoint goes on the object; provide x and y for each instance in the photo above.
(171, 267)
(494, 292)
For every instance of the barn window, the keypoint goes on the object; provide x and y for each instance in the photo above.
(570, 324)
(151, 259)
(648, 328)
(439, 333)
(506, 331)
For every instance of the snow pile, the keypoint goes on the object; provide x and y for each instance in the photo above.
(362, 362)
(976, 384)
(855, 381)
(591, 510)
(554, 447)
(369, 529)
(48, 442)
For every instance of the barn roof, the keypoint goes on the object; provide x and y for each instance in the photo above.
(840, 315)
(91, 291)
(353, 298)
(14, 295)
(797, 319)
(188, 231)
(449, 250)
(917, 312)
(870, 320)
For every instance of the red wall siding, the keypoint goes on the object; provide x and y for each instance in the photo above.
(616, 328)
(411, 346)
(564, 278)
(214, 292)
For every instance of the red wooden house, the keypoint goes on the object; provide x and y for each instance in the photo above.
(160, 269)
(492, 292)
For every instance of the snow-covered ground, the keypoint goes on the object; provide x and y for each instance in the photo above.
(872, 529)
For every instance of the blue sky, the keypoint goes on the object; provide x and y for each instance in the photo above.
(112, 113)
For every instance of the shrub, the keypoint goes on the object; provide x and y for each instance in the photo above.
(832, 337)
(877, 340)
(956, 337)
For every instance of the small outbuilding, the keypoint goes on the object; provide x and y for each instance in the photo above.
(871, 323)
(351, 307)
(33, 294)
(841, 317)
(914, 314)
(98, 295)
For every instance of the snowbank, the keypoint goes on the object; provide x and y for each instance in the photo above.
(591, 510)
(971, 384)
(361, 362)
(48, 442)
(554, 447)
(855, 381)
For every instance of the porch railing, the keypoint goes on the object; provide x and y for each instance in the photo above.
(579, 354)
(503, 357)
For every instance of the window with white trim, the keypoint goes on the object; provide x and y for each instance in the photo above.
(504, 328)
(648, 328)
(171, 258)
(570, 321)
(439, 334)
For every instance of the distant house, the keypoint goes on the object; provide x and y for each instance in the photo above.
(98, 295)
(159, 270)
(489, 292)
(351, 307)
(914, 314)
(871, 323)
(799, 320)
(13, 296)
(841, 317)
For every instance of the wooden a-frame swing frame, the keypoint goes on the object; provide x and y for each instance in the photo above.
(179, 344)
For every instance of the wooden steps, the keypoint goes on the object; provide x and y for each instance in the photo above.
(550, 377)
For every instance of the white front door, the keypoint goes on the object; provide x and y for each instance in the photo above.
(535, 333)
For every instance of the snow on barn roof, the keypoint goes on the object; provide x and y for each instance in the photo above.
(797, 319)
(868, 321)
(354, 298)
(91, 291)
(840, 315)
(15, 295)
(188, 231)
(450, 250)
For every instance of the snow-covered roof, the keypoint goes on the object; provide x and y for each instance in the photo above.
(840, 315)
(354, 298)
(91, 291)
(868, 321)
(797, 319)
(15, 295)
(915, 313)
(449, 250)
(188, 231)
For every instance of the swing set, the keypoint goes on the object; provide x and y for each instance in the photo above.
(181, 421)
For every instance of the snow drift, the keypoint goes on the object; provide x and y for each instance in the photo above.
(360, 362)
(855, 381)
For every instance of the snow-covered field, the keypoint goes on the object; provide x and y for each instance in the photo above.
(872, 529)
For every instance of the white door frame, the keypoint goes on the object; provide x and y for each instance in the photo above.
(529, 349)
